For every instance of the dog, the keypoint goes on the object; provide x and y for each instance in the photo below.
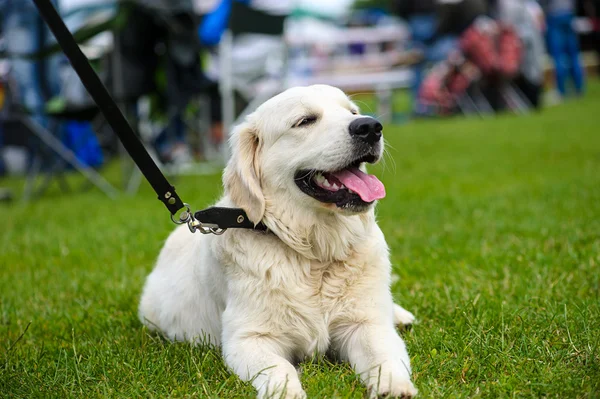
(318, 280)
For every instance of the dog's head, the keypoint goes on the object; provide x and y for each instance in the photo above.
(305, 149)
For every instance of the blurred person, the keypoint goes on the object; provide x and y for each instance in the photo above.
(446, 82)
(563, 43)
(526, 17)
(489, 56)
(163, 33)
(455, 17)
(537, 13)
(436, 26)
(495, 48)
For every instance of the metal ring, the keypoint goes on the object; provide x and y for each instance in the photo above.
(193, 225)
(203, 230)
(189, 217)
(217, 231)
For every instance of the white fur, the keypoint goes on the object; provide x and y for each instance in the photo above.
(320, 283)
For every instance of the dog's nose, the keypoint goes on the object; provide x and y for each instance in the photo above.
(366, 129)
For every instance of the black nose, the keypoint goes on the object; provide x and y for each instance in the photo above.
(366, 129)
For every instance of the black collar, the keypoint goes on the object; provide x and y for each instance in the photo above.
(227, 218)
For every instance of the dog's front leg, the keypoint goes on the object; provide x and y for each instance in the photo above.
(379, 356)
(259, 359)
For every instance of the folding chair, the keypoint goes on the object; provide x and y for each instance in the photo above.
(514, 98)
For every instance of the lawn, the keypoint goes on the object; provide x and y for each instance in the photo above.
(494, 229)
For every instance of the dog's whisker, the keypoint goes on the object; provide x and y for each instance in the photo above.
(364, 105)
(310, 173)
(351, 96)
(383, 115)
(388, 146)
(387, 156)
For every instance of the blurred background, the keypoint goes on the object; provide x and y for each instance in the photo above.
(492, 173)
(185, 71)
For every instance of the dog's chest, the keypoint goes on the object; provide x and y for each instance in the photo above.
(302, 299)
(331, 283)
(328, 293)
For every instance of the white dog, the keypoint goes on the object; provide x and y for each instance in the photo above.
(318, 280)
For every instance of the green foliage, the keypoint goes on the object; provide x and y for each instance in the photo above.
(494, 229)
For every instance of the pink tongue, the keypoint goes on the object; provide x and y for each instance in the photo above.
(367, 186)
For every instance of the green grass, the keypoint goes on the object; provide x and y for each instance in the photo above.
(494, 228)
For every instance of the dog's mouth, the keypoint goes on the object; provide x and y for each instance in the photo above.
(347, 188)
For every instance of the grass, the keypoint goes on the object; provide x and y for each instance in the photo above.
(494, 228)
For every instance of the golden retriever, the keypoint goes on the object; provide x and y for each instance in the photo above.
(318, 280)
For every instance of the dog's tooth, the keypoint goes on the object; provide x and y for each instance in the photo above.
(326, 183)
(335, 186)
(319, 178)
(351, 192)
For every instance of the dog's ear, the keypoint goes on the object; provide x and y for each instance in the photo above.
(241, 177)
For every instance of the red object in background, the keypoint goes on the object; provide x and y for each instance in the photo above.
(446, 83)
(509, 52)
(488, 50)
(478, 46)
(433, 91)
(495, 48)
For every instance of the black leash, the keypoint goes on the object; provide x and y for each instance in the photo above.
(212, 220)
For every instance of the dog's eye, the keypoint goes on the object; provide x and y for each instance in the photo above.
(307, 120)
(354, 111)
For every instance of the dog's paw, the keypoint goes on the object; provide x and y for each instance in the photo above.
(402, 316)
(402, 389)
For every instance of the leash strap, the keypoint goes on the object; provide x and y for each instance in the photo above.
(208, 221)
(112, 113)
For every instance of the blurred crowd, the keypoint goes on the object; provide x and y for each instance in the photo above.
(159, 53)
(496, 48)
(490, 54)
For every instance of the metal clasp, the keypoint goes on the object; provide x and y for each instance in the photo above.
(187, 217)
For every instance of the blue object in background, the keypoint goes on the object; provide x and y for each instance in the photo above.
(215, 23)
(80, 138)
(563, 46)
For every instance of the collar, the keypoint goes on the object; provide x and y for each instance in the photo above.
(228, 218)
